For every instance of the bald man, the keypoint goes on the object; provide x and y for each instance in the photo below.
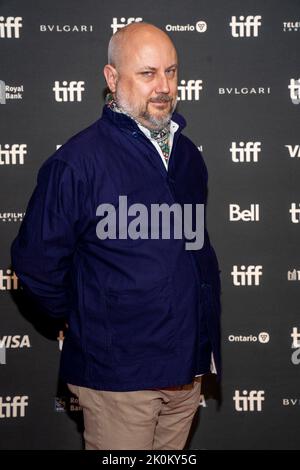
(114, 241)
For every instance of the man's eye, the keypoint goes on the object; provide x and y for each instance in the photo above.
(147, 74)
(171, 72)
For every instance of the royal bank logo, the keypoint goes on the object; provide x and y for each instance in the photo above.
(295, 213)
(293, 275)
(117, 24)
(245, 152)
(12, 216)
(66, 404)
(245, 26)
(10, 27)
(248, 400)
(246, 275)
(13, 407)
(262, 338)
(200, 27)
(66, 28)
(13, 154)
(294, 150)
(245, 91)
(294, 88)
(189, 90)
(295, 357)
(10, 92)
(68, 91)
(237, 214)
(291, 26)
(8, 280)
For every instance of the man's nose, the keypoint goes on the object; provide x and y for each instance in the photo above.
(162, 85)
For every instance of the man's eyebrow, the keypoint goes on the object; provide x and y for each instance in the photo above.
(148, 67)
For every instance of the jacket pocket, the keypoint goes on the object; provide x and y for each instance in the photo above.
(141, 321)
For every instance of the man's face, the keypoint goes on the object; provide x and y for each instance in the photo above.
(146, 86)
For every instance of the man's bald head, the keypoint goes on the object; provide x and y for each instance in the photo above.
(142, 73)
(134, 34)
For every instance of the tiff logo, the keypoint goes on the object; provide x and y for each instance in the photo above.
(246, 215)
(245, 151)
(68, 91)
(13, 407)
(8, 281)
(246, 276)
(189, 90)
(123, 22)
(245, 27)
(293, 275)
(248, 401)
(295, 213)
(10, 26)
(294, 88)
(295, 358)
(12, 154)
(294, 150)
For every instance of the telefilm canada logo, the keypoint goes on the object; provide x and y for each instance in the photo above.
(200, 27)
(289, 26)
(120, 23)
(10, 92)
(11, 216)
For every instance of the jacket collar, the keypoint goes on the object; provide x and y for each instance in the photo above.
(125, 122)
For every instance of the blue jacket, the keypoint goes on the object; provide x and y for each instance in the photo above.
(141, 313)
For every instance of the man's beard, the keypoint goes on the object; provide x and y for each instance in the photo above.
(143, 116)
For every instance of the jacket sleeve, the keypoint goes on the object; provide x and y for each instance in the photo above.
(43, 250)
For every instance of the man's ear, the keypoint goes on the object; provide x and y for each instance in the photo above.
(111, 76)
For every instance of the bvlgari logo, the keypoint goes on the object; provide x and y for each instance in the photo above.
(243, 91)
(66, 28)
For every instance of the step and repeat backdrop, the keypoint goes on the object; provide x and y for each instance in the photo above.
(239, 90)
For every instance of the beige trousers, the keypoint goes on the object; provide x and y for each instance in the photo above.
(144, 419)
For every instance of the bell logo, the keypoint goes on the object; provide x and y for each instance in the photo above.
(248, 401)
(13, 407)
(245, 27)
(68, 91)
(10, 26)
